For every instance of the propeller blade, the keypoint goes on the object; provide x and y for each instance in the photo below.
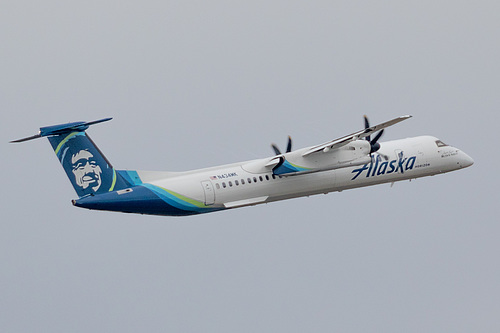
(379, 134)
(375, 146)
(289, 145)
(367, 125)
(385, 157)
(276, 149)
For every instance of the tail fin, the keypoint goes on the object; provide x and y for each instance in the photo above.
(86, 166)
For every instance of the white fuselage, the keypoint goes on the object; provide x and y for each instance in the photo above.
(243, 184)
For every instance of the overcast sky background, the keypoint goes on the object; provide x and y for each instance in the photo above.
(193, 84)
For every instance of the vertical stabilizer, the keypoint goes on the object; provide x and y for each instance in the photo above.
(86, 166)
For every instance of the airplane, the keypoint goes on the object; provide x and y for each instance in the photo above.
(352, 161)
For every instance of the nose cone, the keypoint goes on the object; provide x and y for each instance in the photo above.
(465, 160)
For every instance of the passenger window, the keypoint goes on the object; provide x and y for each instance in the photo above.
(224, 184)
(260, 178)
(254, 180)
(249, 180)
(267, 177)
(274, 176)
(236, 182)
(242, 182)
(230, 183)
(217, 186)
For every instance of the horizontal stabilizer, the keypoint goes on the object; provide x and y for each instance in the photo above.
(79, 126)
(36, 136)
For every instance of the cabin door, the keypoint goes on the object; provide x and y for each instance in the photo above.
(208, 188)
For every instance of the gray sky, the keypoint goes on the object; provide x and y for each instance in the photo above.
(193, 84)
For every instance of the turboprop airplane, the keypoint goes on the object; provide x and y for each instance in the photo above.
(354, 160)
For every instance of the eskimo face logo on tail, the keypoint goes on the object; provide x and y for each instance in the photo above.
(86, 167)
(86, 170)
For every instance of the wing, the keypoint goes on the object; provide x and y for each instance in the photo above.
(343, 152)
(337, 143)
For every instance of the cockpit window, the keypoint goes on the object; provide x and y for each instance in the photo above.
(440, 143)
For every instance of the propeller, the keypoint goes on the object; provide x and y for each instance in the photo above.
(288, 147)
(374, 145)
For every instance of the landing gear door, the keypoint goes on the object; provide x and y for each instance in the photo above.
(208, 188)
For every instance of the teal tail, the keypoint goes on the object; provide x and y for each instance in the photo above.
(87, 168)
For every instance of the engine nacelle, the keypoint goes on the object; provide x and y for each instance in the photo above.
(352, 154)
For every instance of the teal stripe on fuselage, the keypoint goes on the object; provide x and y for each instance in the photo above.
(288, 167)
(130, 176)
(178, 202)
